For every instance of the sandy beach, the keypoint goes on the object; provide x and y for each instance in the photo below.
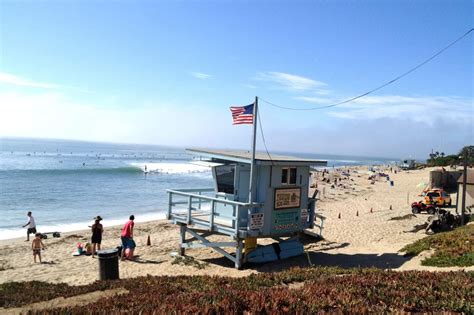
(353, 236)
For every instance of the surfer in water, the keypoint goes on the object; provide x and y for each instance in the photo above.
(146, 170)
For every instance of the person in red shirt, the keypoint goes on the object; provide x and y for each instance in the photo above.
(127, 237)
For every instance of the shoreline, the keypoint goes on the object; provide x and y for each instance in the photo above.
(65, 234)
(65, 228)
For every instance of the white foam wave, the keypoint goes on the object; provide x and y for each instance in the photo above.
(171, 168)
(6, 234)
(347, 161)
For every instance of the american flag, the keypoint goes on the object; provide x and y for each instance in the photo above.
(242, 114)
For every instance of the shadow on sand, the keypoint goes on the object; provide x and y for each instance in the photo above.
(382, 261)
(333, 245)
(137, 259)
(319, 257)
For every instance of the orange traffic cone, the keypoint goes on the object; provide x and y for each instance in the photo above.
(148, 241)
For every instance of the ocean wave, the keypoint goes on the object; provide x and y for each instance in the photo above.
(131, 168)
(347, 161)
(82, 170)
(171, 168)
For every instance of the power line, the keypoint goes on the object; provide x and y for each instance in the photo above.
(263, 136)
(379, 87)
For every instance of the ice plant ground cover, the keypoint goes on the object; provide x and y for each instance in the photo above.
(453, 248)
(293, 291)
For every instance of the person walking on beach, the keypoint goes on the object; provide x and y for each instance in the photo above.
(97, 230)
(127, 238)
(37, 245)
(31, 226)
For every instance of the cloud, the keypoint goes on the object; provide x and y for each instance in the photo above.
(314, 100)
(387, 137)
(424, 109)
(11, 79)
(293, 82)
(200, 75)
(52, 114)
(249, 86)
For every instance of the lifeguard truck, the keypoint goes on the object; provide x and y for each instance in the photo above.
(274, 203)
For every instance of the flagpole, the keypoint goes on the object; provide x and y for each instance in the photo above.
(254, 144)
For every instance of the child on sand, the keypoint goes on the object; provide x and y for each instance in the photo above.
(36, 246)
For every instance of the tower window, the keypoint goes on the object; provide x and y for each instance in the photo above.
(288, 176)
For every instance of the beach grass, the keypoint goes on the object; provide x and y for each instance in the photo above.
(189, 261)
(452, 248)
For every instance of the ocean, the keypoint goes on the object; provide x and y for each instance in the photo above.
(67, 183)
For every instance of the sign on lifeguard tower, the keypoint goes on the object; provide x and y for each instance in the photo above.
(254, 195)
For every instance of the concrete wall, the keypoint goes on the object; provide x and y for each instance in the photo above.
(469, 198)
(446, 180)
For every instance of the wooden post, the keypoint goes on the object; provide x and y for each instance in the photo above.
(182, 239)
(211, 218)
(235, 213)
(170, 205)
(238, 254)
(199, 201)
(190, 205)
(464, 185)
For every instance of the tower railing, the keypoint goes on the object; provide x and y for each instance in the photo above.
(204, 209)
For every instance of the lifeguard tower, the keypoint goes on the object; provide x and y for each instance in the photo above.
(278, 206)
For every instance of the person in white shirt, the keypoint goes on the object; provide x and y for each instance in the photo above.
(31, 226)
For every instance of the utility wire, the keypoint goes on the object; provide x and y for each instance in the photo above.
(263, 136)
(379, 87)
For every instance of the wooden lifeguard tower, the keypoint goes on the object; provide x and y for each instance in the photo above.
(273, 202)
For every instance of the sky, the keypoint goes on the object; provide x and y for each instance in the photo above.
(166, 72)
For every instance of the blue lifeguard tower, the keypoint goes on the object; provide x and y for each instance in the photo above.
(255, 195)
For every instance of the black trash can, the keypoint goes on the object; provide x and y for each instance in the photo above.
(108, 264)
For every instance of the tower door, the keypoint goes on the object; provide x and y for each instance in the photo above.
(243, 179)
